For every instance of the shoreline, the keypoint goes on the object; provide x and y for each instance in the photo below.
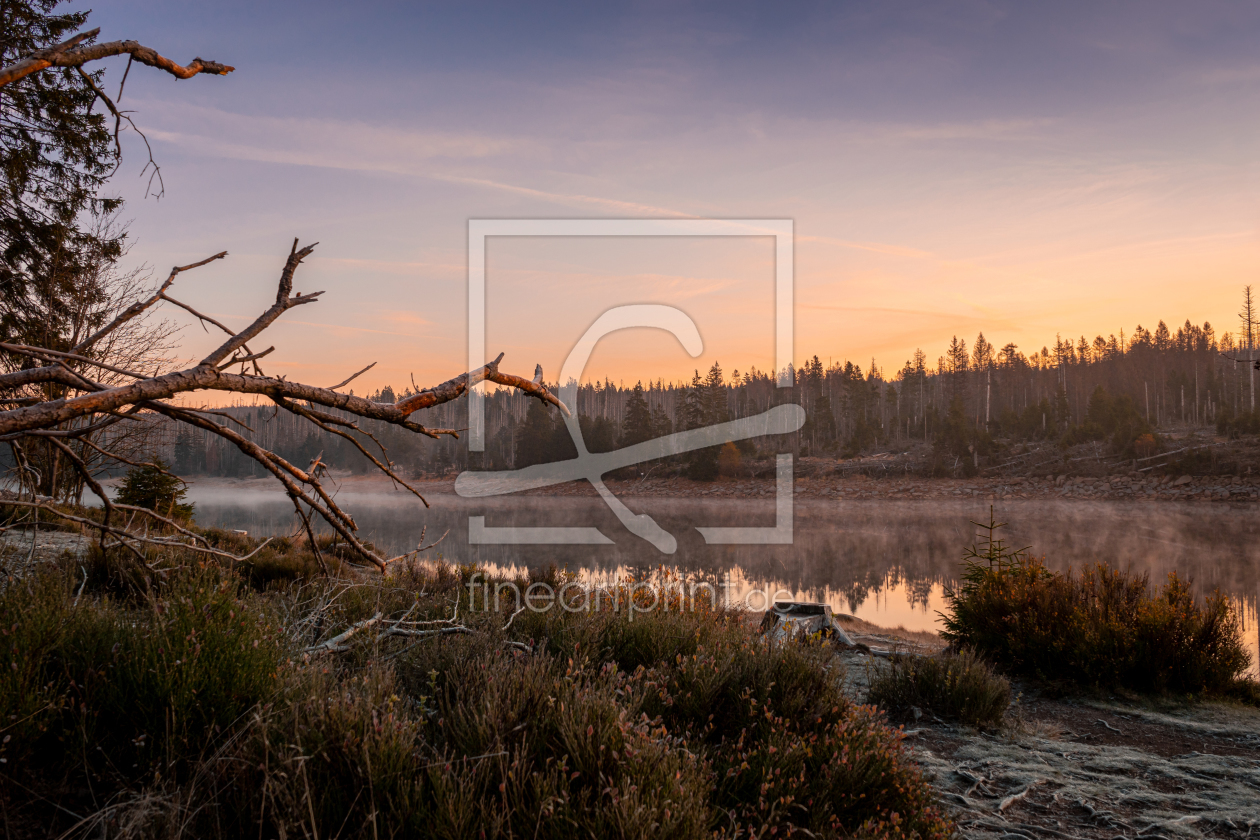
(1117, 487)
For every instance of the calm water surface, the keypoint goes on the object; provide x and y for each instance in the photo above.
(885, 561)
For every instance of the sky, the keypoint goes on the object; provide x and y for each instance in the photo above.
(1015, 169)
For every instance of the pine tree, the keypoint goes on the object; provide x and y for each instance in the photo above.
(55, 154)
(982, 354)
(534, 436)
(637, 425)
(661, 425)
(715, 406)
(957, 365)
(1163, 338)
(190, 451)
(152, 486)
(692, 409)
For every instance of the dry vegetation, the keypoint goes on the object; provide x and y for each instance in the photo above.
(201, 700)
(1102, 627)
(952, 686)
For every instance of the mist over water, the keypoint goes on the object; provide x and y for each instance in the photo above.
(884, 561)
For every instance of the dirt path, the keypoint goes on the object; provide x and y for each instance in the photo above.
(18, 551)
(1079, 768)
(1099, 771)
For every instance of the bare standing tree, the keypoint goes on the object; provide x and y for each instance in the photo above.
(1247, 318)
(65, 314)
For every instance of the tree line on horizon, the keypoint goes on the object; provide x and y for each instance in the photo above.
(1128, 391)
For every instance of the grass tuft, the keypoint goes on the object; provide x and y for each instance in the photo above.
(130, 688)
(952, 686)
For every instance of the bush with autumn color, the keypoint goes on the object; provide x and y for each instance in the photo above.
(1100, 626)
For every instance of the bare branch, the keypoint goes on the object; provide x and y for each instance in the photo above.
(336, 642)
(285, 473)
(457, 387)
(125, 534)
(37, 376)
(422, 547)
(216, 413)
(353, 377)
(207, 377)
(41, 353)
(108, 507)
(312, 416)
(512, 618)
(283, 302)
(240, 360)
(114, 456)
(81, 431)
(70, 54)
(310, 533)
(140, 306)
(197, 314)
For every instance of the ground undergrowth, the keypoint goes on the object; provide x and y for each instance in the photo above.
(200, 700)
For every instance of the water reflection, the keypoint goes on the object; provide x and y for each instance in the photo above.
(885, 561)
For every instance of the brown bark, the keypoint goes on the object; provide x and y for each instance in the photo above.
(70, 54)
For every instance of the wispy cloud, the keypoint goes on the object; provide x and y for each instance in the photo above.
(987, 130)
(341, 143)
(570, 199)
(365, 147)
(336, 327)
(884, 248)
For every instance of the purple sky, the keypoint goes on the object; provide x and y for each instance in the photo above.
(1016, 168)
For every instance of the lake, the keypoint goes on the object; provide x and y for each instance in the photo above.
(884, 561)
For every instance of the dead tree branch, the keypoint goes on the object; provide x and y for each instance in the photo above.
(127, 536)
(139, 307)
(33, 414)
(69, 53)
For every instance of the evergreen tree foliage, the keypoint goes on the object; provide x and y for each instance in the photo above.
(152, 486)
(55, 154)
(959, 443)
(692, 410)
(190, 451)
(637, 426)
(542, 438)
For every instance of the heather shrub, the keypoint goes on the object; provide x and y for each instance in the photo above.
(197, 707)
(131, 687)
(952, 686)
(1102, 626)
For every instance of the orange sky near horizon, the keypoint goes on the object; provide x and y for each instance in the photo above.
(1019, 170)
